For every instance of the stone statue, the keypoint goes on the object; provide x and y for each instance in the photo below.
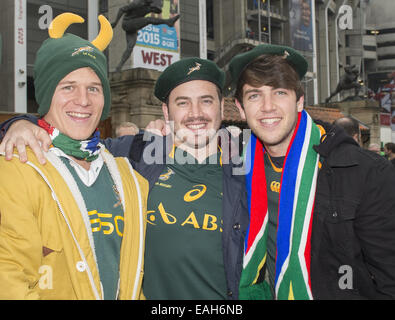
(348, 81)
(134, 19)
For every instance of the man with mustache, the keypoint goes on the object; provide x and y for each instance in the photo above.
(197, 211)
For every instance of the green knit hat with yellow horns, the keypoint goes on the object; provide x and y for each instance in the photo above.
(63, 53)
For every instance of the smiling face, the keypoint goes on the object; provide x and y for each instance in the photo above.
(272, 115)
(269, 95)
(196, 110)
(77, 104)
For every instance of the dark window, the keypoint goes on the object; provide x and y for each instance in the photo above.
(210, 19)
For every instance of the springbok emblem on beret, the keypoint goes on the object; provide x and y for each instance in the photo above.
(195, 68)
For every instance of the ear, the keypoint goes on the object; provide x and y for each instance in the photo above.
(241, 109)
(300, 103)
(165, 111)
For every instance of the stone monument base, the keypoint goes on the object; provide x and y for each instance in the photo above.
(366, 111)
(133, 97)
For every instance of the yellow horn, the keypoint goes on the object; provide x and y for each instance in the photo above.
(59, 25)
(104, 37)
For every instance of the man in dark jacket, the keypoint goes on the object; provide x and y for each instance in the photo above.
(197, 212)
(389, 150)
(351, 126)
(322, 209)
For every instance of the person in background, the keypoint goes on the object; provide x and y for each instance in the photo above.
(351, 127)
(126, 128)
(73, 228)
(389, 149)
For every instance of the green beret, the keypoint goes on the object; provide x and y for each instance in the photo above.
(240, 62)
(56, 58)
(185, 70)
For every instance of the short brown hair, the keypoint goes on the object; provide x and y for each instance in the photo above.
(390, 146)
(269, 70)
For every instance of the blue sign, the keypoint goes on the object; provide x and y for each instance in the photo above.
(301, 26)
(159, 37)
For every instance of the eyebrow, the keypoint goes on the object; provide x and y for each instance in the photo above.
(252, 91)
(182, 98)
(73, 82)
(96, 84)
(189, 98)
(64, 82)
(206, 96)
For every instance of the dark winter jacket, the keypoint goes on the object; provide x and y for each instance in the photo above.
(353, 232)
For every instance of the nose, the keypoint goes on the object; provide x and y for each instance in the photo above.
(267, 103)
(195, 110)
(81, 97)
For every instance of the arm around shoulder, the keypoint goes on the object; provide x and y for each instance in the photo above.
(119, 147)
(6, 124)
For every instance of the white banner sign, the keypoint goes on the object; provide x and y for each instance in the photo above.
(158, 46)
(202, 29)
(153, 59)
(20, 57)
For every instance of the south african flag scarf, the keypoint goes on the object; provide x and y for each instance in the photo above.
(87, 150)
(298, 185)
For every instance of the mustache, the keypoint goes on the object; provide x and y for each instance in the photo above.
(195, 119)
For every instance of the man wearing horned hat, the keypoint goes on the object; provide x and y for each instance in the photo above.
(73, 229)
